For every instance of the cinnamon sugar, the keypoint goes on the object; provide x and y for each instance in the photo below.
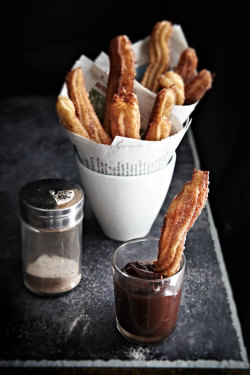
(51, 274)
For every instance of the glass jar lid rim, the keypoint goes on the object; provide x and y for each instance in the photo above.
(51, 195)
(51, 203)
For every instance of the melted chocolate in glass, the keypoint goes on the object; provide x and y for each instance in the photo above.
(146, 309)
(141, 270)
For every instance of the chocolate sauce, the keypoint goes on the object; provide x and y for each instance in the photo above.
(145, 308)
(141, 270)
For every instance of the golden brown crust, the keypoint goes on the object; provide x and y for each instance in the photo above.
(122, 72)
(159, 125)
(196, 85)
(158, 129)
(187, 65)
(125, 115)
(200, 179)
(196, 88)
(173, 80)
(176, 226)
(66, 112)
(83, 107)
(159, 55)
(180, 217)
(164, 102)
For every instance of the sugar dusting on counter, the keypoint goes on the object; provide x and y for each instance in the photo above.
(139, 353)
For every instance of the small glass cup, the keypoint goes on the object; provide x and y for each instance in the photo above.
(146, 310)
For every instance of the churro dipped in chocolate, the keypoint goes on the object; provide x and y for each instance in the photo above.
(180, 217)
(159, 55)
(122, 73)
(125, 115)
(83, 107)
(66, 112)
(159, 124)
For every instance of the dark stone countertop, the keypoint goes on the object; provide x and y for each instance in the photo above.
(78, 328)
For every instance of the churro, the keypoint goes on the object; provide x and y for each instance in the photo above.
(158, 129)
(125, 115)
(196, 88)
(187, 65)
(66, 112)
(180, 217)
(173, 80)
(159, 124)
(83, 107)
(122, 72)
(159, 55)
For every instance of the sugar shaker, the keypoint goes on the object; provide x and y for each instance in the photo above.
(51, 213)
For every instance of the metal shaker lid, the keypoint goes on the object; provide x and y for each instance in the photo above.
(51, 203)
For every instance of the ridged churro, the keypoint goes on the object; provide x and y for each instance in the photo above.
(196, 88)
(66, 112)
(83, 107)
(180, 217)
(159, 124)
(187, 65)
(122, 72)
(158, 129)
(125, 115)
(173, 80)
(159, 55)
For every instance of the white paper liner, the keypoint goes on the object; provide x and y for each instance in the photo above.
(126, 156)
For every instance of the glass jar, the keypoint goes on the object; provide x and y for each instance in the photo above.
(146, 309)
(51, 214)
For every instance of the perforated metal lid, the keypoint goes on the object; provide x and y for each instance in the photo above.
(51, 203)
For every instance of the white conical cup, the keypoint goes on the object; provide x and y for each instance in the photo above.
(126, 206)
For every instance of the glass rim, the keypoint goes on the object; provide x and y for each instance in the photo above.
(183, 259)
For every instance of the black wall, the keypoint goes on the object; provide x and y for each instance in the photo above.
(40, 40)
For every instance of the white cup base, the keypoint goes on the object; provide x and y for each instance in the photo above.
(126, 206)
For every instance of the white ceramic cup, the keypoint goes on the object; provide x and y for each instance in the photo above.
(126, 206)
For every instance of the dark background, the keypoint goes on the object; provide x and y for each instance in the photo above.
(40, 41)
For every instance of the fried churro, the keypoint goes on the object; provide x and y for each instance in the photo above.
(122, 72)
(159, 55)
(187, 65)
(158, 129)
(159, 124)
(173, 80)
(125, 115)
(164, 102)
(195, 84)
(180, 217)
(66, 112)
(83, 107)
(196, 88)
